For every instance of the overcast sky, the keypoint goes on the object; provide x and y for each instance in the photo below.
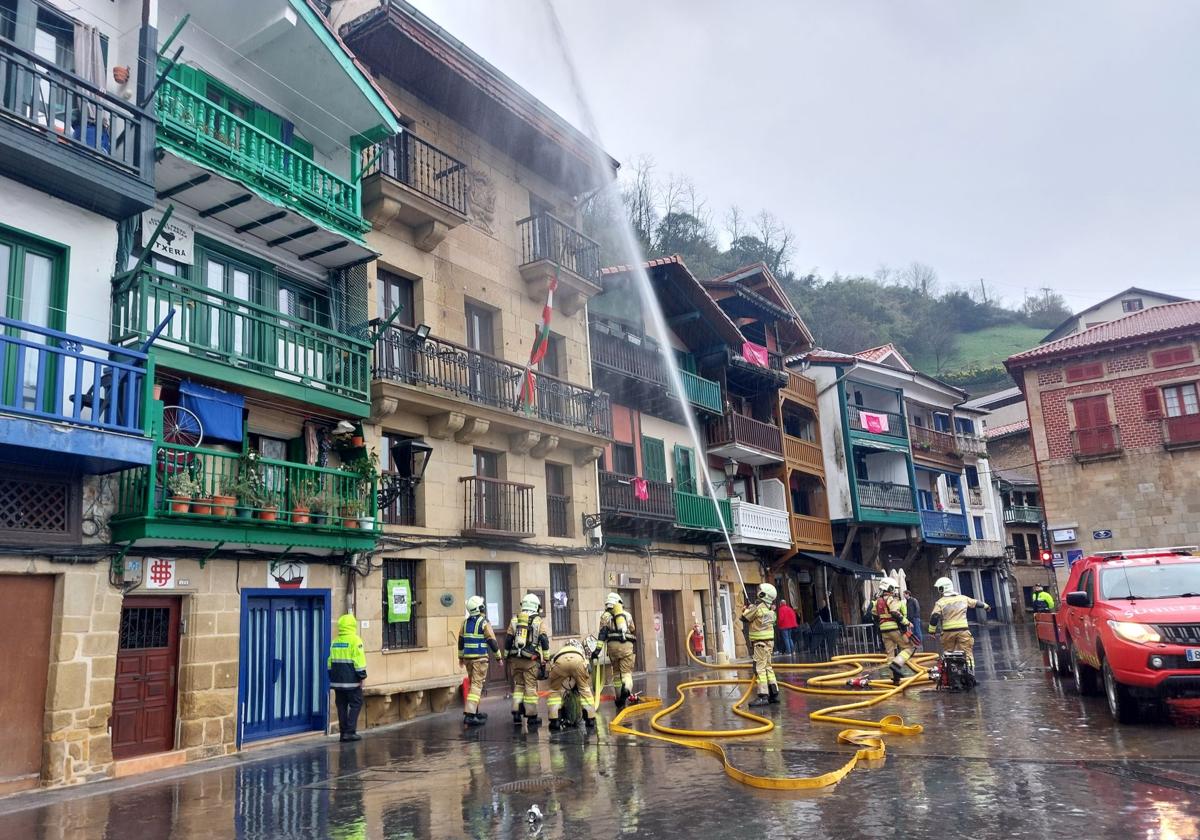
(1026, 143)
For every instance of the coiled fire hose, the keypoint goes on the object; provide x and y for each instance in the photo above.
(867, 735)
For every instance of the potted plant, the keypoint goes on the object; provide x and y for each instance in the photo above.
(247, 485)
(265, 506)
(181, 488)
(351, 511)
(318, 509)
(304, 494)
(201, 504)
(366, 522)
(226, 497)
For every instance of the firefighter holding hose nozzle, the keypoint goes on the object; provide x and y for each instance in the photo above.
(761, 620)
(892, 614)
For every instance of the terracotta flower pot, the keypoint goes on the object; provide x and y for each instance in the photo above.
(356, 440)
(223, 505)
(299, 516)
(268, 515)
(157, 391)
(202, 506)
(349, 522)
(181, 504)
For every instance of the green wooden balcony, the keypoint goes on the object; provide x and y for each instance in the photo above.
(200, 130)
(701, 392)
(232, 340)
(697, 512)
(240, 501)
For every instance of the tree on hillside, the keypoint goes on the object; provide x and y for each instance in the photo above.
(1047, 310)
(920, 278)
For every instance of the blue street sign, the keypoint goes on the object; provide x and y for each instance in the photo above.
(1102, 535)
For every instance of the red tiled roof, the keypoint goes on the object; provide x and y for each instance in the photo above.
(1148, 323)
(674, 259)
(820, 355)
(1006, 429)
(878, 354)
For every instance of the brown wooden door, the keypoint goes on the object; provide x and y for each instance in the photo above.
(665, 605)
(26, 608)
(143, 715)
(1093, 425)
(490, 581)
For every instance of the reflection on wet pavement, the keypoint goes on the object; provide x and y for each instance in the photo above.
(1021, 756)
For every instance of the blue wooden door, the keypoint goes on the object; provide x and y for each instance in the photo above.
(989, 592)
(283, 647)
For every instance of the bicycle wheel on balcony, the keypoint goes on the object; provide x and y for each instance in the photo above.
(181, 426)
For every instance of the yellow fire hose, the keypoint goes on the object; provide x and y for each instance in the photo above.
(868, 736)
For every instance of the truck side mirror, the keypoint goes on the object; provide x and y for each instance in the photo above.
(1079, 598)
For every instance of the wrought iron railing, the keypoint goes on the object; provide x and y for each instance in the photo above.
(558, 515)
(883, 495)
(64, 378)
(544, 237)
(69, 110)
(944, 526)
(214, 325)
(695, 511)
(876, 421)
(739, 429)
(219, 138)
(492, 507)
(618, 496)
(422, 166)
(404, 357)
(1023, 515)
(1096, 442)
(227, 488)
(400, 493)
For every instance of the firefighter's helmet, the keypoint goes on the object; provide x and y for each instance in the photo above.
(888, 585)
(944, 586)
(531, 603)
(613, 599)
(474, 605)
(767, 593)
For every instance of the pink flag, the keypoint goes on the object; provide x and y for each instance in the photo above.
(755, 354)
(641, 489)
(876, 424)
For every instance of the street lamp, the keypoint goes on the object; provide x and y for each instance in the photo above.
(731, 470)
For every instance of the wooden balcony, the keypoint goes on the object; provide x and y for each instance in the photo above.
(877, 422)
(636, 374)
(1181, 431)
(434, 376)
(68, 398)
(696, 512)
(229, 339)
(811, 533)
(496, 508)
(745, 439)
(410, 181)
(65, 137)
(883, 495)
(804, 454)
(944, 527)
(800, 389)
(1096, 443)
(759, 525)
(623, 510)
(264, 502)
(931, 441)
(550, 248)
(1022, 515)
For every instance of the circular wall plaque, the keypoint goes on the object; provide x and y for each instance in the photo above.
(447, 599)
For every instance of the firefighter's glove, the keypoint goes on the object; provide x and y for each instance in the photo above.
(542, 671)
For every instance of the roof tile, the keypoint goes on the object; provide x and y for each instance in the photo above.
(1157, 320)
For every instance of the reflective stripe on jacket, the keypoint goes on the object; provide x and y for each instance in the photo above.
(616, 625)
(762, 622)
(347, 661)
(952, 612)
(474, 637)
(1043, 601)
(887, 607)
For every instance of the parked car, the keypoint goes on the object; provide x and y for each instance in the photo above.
(1129, 625)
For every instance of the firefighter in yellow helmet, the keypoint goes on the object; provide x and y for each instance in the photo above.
(570, 664)
(891, 612)
(761, 618)
(475, 639)
(949, 617)
(527, 646)
(618, 635)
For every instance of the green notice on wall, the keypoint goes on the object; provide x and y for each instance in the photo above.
(399, 595)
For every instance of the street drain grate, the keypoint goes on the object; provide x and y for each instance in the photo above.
(541, 784)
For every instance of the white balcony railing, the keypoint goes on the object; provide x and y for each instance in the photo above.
(760, 525)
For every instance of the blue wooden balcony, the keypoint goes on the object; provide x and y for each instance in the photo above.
(944, 528)
(72, 402)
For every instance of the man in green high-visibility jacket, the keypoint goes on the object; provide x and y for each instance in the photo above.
(1043, 601)
(347, 670)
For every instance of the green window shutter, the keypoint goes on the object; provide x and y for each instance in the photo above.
(297, 451)
(654, 459)
(302, 147)
(685, 469)
(686, 361)
(268, 122)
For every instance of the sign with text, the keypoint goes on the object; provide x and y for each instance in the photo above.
(177, 240)
(1064, 535)
(399, 601)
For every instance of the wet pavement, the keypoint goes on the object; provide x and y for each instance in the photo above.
(1020, 756)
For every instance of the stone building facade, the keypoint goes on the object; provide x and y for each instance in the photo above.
(1113, 416)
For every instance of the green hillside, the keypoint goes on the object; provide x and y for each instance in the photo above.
(986, 348)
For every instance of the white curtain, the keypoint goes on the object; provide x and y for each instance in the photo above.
(89, 60)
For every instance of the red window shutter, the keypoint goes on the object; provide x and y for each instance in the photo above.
(1174, 356)
(1078, 373)
(1152, 400)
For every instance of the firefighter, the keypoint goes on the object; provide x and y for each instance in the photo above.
(570, 663)
(1043, 601)
(949, 617)
(475, 639)
(760, 618)
(892, 614)
(618, 635)
(527, 647)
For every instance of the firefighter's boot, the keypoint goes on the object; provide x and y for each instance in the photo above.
(517, 716)
(897, 670)
(773, 697)
(555, 725)
(761, 700)
(590, 723)
(533, 721)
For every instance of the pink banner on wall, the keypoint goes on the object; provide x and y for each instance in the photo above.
(874, 423)
(755, 354)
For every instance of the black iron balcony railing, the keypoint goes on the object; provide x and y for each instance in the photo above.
(883, 495)
(402, 356)
(69, 110)
(544, 237)
(618, 496)
(400, 493)
(422, 166)
(558, 515)
(492, 507)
